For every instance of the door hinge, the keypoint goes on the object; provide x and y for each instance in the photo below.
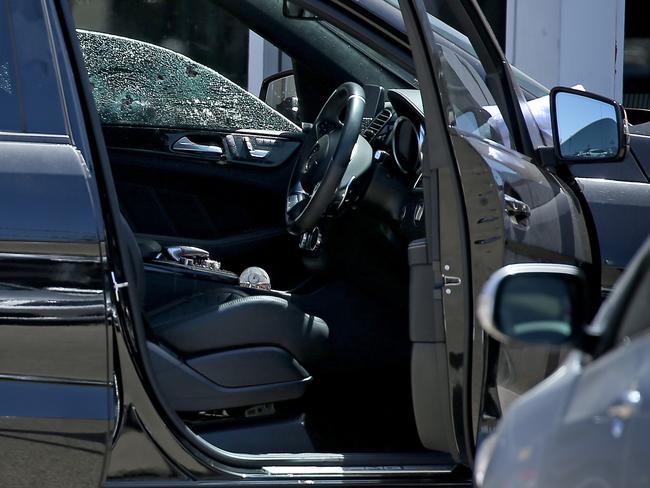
(118, 286)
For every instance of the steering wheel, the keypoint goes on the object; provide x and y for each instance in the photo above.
(319, 171)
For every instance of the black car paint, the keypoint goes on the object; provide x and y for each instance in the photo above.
(70, 253)
(57, 390)
(56, 381)
(618, 197)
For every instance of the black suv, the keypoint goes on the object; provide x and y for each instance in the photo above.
(196, 290)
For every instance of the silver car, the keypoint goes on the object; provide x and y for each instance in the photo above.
(587, 425)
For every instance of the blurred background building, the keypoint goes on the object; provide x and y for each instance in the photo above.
(601, 44)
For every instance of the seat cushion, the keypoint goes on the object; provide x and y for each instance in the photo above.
(219, 319)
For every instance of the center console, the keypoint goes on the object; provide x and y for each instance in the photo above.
(193, 260)
(175, 272)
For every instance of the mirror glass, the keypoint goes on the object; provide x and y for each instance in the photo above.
(588, 129)
(539, 307)
(281, 95)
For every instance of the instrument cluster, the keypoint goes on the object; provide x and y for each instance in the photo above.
(406, 145)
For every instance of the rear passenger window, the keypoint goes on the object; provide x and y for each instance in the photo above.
(30, 94)
(10, 113)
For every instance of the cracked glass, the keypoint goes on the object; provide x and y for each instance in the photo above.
(140, 84)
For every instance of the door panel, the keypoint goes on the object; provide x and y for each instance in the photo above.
(553, 230)
(57, 403)
(547, 230)
(439, 397)
(229, 203)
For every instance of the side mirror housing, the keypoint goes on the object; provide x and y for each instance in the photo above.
(536, 303)
(292, 10)
(587, 127)
(279, 92)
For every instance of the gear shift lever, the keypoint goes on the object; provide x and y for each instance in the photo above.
(192, 256)
(255, 277)
(177, 253)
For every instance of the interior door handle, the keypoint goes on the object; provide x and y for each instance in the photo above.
(184, 144)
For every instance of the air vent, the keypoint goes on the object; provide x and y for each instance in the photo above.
(378, 124)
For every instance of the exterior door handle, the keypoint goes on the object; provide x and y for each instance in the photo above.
(517, 210)
(623, 409)
(184, 144)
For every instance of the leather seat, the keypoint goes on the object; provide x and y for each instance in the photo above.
(221, 348)
(213, 321)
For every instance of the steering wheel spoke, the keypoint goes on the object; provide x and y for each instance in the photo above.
(320, 170)
(296, 195)
(326, 127)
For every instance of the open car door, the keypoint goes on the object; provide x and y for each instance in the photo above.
(440, 288)
(489, 201)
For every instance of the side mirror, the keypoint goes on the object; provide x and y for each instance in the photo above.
(292, 10)
(536, 304)
(278, 91)
(587, 127)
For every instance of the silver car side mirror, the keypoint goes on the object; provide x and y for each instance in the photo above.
(535, 303)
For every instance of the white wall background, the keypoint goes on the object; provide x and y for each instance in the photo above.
(569, 42)
(264, 59)
(255, 62)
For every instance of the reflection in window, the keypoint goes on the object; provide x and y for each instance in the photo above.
(472, 106)
(10, 118)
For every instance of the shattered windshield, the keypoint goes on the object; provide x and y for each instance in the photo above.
(140, 84)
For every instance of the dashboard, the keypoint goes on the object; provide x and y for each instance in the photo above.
(397, 135)
(398, 130)
(406, 145)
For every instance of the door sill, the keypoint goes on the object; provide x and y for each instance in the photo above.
(345, 471)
